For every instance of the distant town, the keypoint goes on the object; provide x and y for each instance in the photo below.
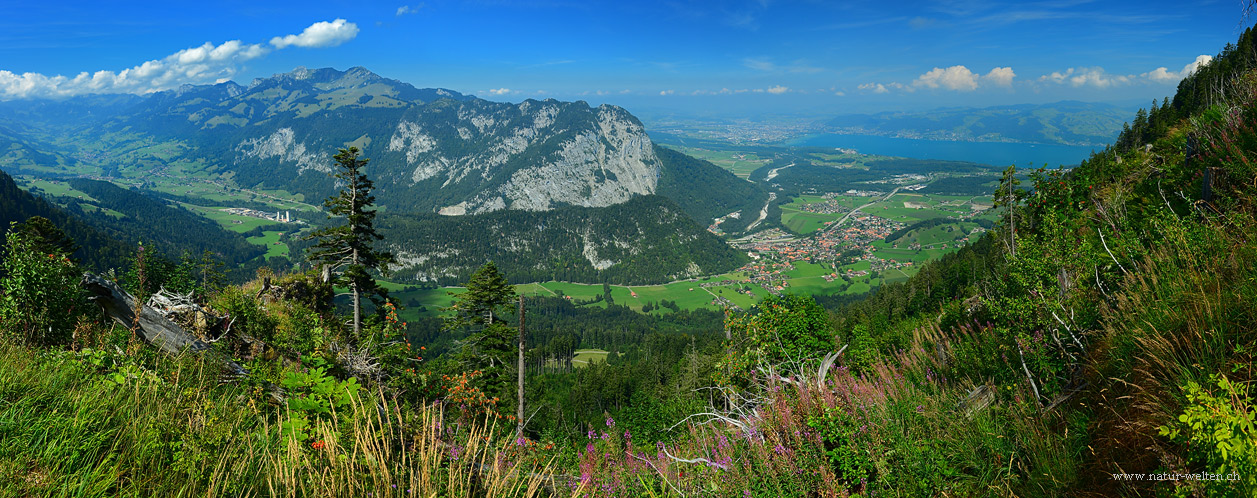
(284, 217)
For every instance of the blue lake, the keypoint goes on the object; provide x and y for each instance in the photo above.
(993, 153)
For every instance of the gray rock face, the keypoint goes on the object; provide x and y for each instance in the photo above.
(518, 155)
(454, 156)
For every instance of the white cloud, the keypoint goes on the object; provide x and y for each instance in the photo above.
(874, 87)
(1097, 77)
(406, 9)
(778, 90)
(1000, 76)
(665, 92)
(952, 78)
(1163, 75)
(1086, 76)
(320, 34)
(1057, 76)
(207, 63)
(500, 91)
(957, 78)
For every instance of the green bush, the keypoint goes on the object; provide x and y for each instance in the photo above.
(849, 453)
(41, 299)
(313, 396)
(1219, 429)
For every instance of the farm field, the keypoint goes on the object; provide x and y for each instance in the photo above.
(233, 222)
(741, 164)
(270, 239)
(903, 208)
(804, 278)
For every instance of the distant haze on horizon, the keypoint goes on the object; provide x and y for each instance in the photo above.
(685, 56)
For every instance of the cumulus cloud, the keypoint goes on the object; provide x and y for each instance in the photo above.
(873, 87)
(953, 78)
(1163, 75)
(957, 78)
(778, 90)
(320, 34)
(1097, 77)
(665, 92)
(207, 63)
(1000, 76)
(499, 91)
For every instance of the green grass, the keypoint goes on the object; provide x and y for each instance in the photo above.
(727, 159)
(270, 239)
(804, 269)
(430, 300)
(233, 222)
(53, 188)
(101, 424)
(804, 222)
(586, 357)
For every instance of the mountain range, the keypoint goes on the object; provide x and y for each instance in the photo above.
(1067, 123)
(432, 151)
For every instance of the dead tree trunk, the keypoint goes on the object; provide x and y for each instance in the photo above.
(519, 408)
(151, 325)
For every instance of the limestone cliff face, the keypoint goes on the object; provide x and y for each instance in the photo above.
(533, 156)
(476, 156)
(431, 150)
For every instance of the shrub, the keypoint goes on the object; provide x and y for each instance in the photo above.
(41, 299)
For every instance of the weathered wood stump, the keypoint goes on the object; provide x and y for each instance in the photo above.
(151, 325)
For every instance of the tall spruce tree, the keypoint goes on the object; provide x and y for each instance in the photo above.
(347, 251)
(490, 346)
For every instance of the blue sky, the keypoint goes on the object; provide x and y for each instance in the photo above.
(755, 56)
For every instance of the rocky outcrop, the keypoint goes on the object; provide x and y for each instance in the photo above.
(526, 157)
(283, 145)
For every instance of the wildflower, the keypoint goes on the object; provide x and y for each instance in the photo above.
(318, 445)
(610, 422)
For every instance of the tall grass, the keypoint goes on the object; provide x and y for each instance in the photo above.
(905, 427)
(68, 430)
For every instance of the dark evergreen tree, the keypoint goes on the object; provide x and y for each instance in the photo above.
(44, 237)
(348, 251)
(490, 347)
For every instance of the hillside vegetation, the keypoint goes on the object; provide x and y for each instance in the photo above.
(1098, 341)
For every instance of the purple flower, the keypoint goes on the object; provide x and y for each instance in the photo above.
(610, 422)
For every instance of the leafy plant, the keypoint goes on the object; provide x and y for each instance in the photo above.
(849, 453)
(1218, 426)
(313, 395)
(41, 300)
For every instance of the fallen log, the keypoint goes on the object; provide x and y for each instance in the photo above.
(151, 325)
